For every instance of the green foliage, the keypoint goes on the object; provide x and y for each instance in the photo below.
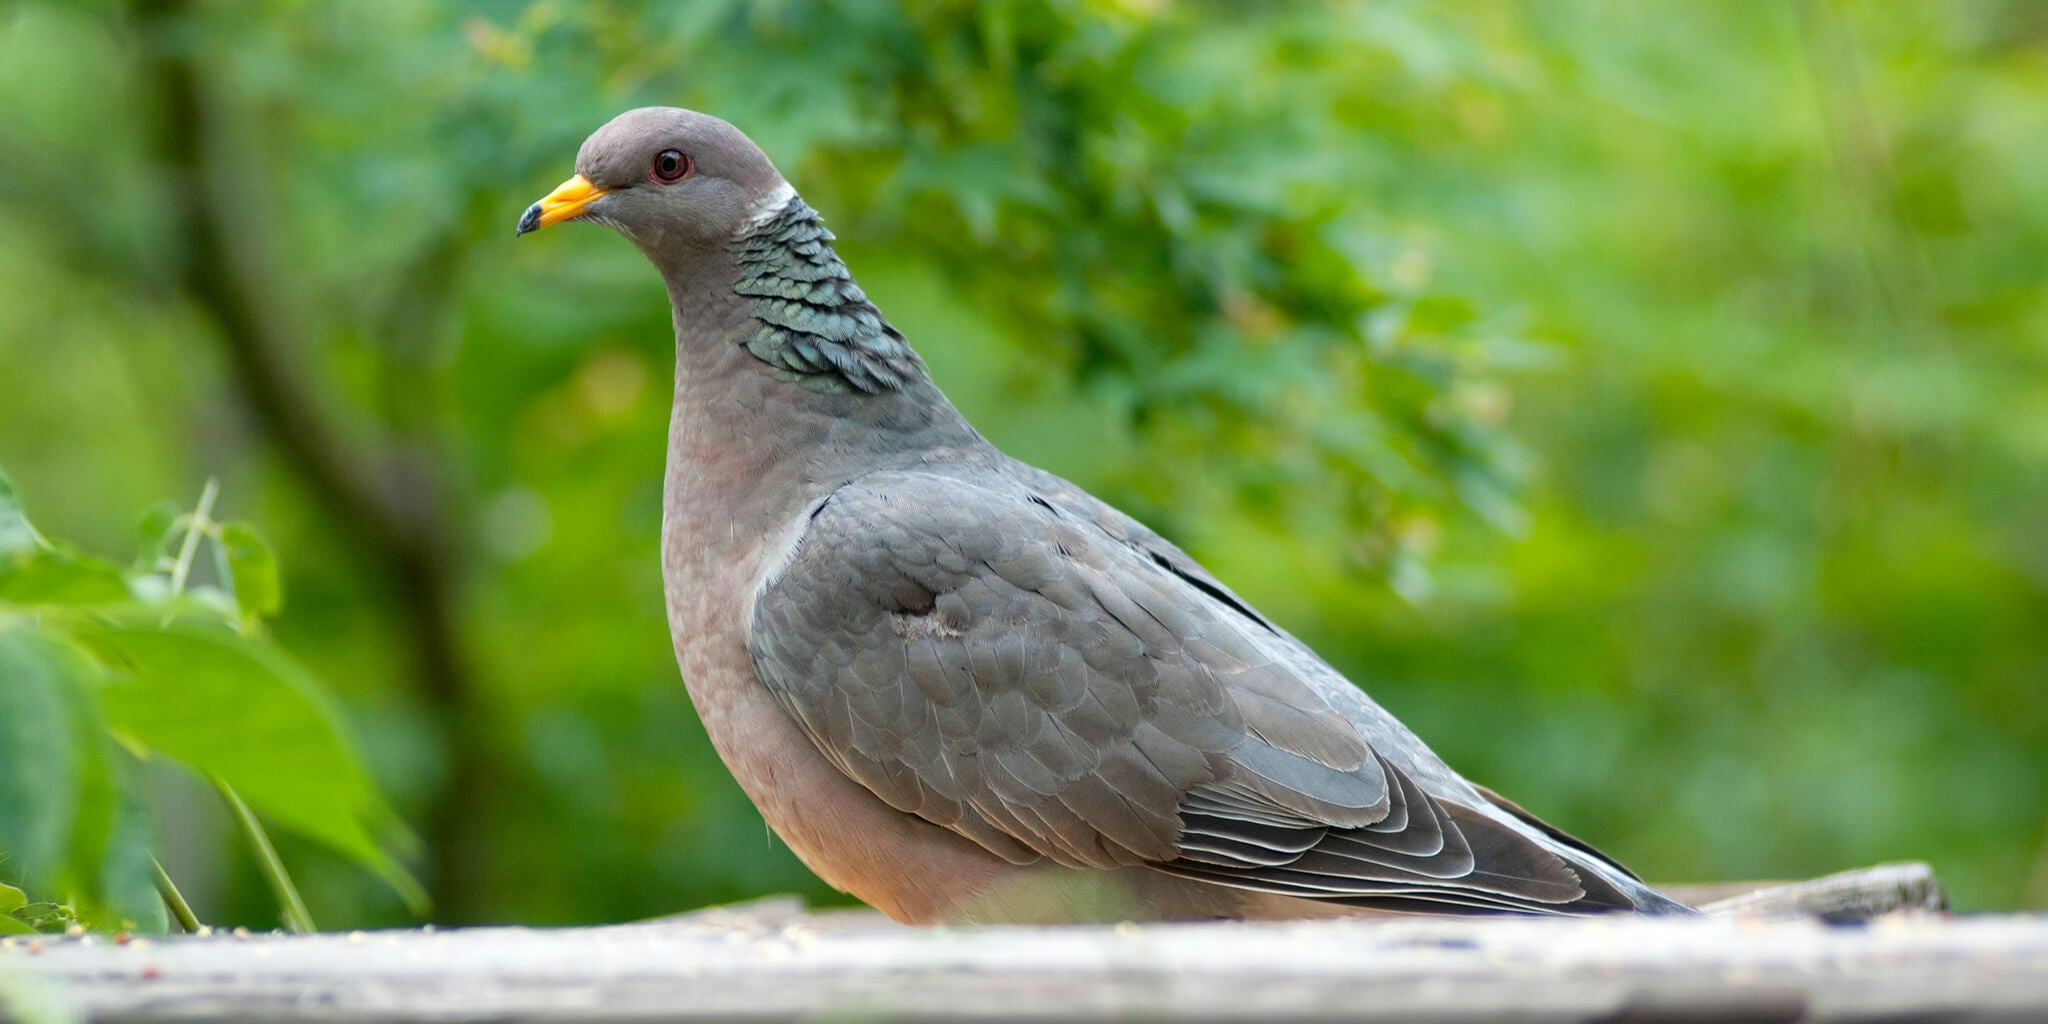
(12, 901)
(101, 670)
(251, 570)
(1643, 401)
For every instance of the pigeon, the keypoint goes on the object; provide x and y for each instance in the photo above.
(960, 688)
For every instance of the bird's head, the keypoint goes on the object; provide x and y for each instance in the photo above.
(675, 182)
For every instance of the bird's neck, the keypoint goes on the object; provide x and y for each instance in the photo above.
(780, 398)
(813, 324)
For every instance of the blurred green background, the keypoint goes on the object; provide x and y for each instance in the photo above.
(1648, 402)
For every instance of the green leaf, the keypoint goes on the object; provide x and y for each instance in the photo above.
(67, 823)
(11, 899)
(99, 809)
(57, 576)
(127, 896)
(34, 572)
(244, 712)
(10, 925)
(39, 762)
(15, 532)
(155, 530)
(252, 571)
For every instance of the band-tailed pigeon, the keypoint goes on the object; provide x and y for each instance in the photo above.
(958, 686)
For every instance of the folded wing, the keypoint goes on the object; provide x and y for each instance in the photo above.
(1001, 663)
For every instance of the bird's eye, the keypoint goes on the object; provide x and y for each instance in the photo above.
(671, 165)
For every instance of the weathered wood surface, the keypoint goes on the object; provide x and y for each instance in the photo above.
(771, 962)
(1846, 896)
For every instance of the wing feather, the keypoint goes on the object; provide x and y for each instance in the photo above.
(1049, 680)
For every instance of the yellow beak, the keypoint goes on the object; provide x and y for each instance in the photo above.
(566, 201)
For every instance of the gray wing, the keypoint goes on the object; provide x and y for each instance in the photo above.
(1008, 665)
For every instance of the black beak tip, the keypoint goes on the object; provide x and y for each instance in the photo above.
(529, 221)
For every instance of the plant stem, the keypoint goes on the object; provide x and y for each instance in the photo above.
(289, 902)
(196, 526)
(181, 911)
(202, 519)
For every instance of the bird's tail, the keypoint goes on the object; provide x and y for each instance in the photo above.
(1585, 859)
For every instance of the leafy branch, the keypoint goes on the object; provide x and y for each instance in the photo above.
(106, 668)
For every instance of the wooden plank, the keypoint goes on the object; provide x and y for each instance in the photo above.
(1843, 897)
(771, 963)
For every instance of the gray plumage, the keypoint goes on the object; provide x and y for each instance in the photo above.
(943, 674)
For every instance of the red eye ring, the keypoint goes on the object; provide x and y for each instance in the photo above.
(670, 166)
